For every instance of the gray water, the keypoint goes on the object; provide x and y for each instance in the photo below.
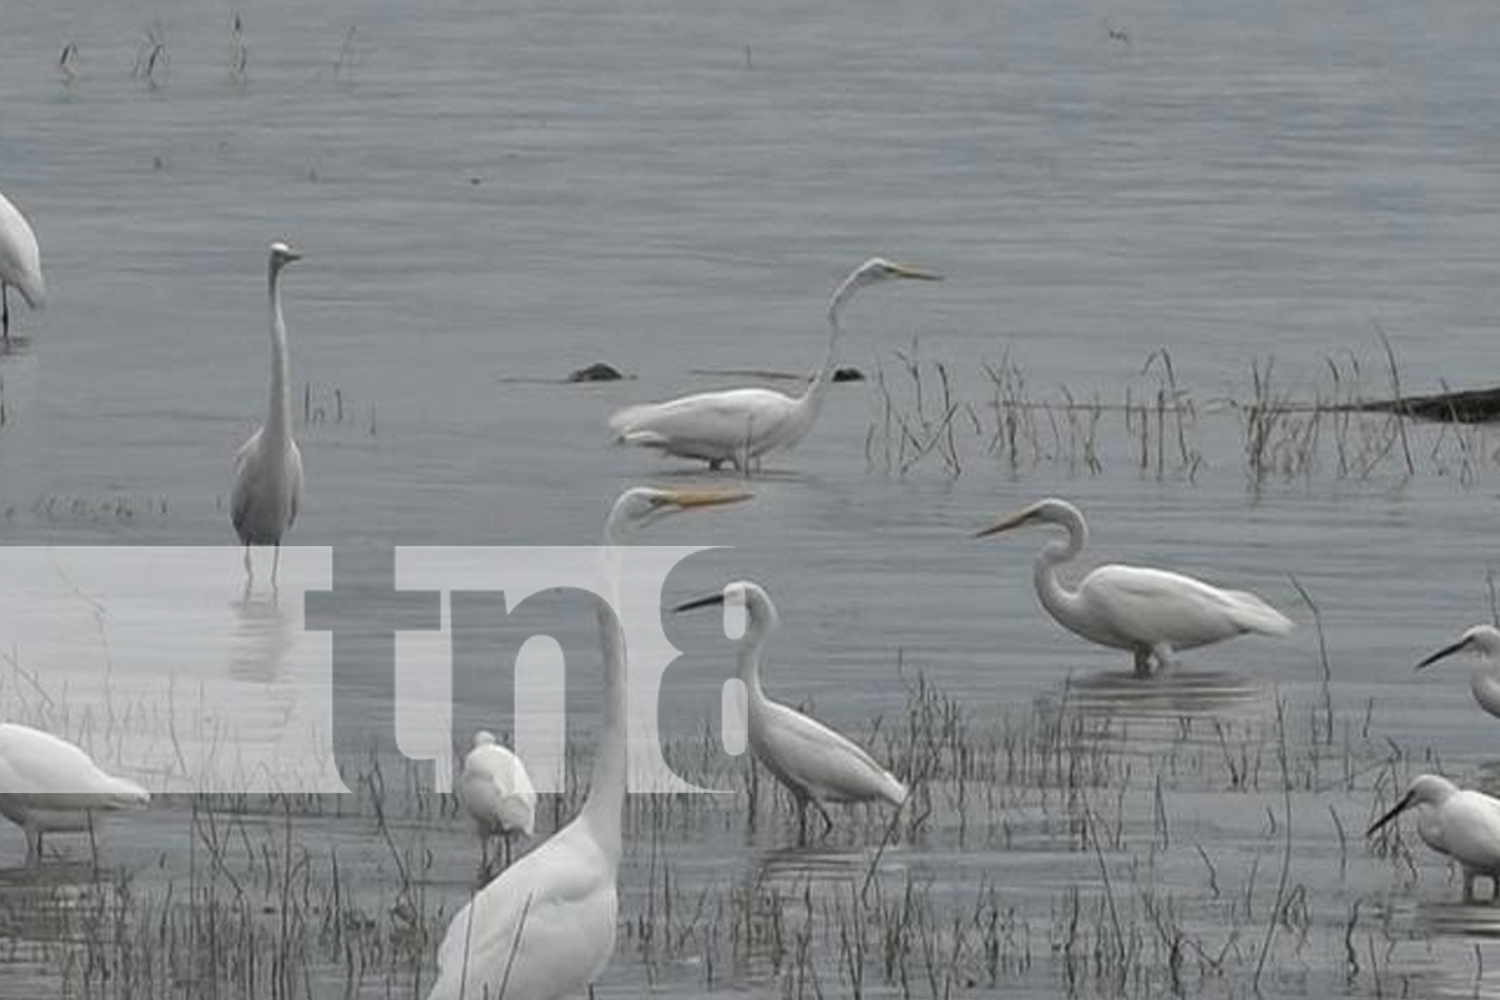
(488, 198)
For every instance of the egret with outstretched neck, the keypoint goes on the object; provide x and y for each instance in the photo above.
(816, 764)
(545, 927)
(739, 426)
(1483, 641)
(1152, 613)
(267, 485)
(496, 792)
(48, 785)
(20, 264)
(1458, 822)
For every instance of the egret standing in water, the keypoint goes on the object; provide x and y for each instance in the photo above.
(497, 793)
(20, 264)
(48, 785)
(1463, 824)
(267, 486)
(740, 425)
(816, 764)
(545, 927)
(1483, 641)
(1150, 612)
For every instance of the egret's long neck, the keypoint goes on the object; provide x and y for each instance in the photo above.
(810, 403)
(279, 414)
(749, 654)
(1059, 601)
(1486, 686)
(606, 799)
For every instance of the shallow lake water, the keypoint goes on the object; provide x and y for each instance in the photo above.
(490, 197)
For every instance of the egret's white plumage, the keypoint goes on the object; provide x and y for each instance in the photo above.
(267, 485)
(816, 764)
(1151, 612)
(740, 425)
(20, 263)
(1483, 640)
(1461, 823)
(497, 793)
(48, 785)
(545, 927)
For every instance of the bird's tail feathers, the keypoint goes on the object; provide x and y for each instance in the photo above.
(1254, 615)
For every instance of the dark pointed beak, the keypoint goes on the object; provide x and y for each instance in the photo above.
(1396, 810)
(1446, 651)
(699, 602)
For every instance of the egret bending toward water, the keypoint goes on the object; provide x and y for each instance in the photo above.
(545, 927)
(496, 792)
(738, 425)
(815, 763)
(1463, 824)
(1484, 640)
(20, 263)
(48, 785)
(267, 485)
(1151, 612)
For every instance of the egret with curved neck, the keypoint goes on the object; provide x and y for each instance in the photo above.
(267, 484)
(1484, 641)
(545, 927)
(1459, 822)
(1150, 612)
(20, 264)
(816, 764)
(739, 426)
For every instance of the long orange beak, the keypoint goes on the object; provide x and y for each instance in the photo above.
(1006, 523)
(919, 273)
(691, 499)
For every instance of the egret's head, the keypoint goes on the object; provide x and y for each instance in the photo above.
(282, 254)
(1424, 790)
(1049, 511)
(484, 738)
(879, 269)
(645, 504)
(1484, 640)
(741, 593)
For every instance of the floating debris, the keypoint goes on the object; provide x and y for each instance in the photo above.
(596, 372)
(1465, 406)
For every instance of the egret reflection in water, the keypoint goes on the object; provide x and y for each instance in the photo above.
(265, 633)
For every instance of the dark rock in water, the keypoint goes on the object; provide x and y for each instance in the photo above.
(596, 372)
(848, 375)
(1469, 406)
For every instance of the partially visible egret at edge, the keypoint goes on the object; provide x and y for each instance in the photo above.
(48, 785)
(1150, 612)
(496, 792)
(1461, 823)
(816, 764)
(545, 927)
(1484, 642)
(267, 486)
(20, 264)
(739, 426)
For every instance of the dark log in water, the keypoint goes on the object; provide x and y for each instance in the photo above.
(596, 372)
(1467, 406)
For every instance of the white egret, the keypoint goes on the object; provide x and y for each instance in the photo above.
(816, 764)
(1483, 640)
(48, 785)
(267, 487)
(20, 263)
(1463, 824)
(741, 425)
(1151, 612)
(497, 793)
(545, 927)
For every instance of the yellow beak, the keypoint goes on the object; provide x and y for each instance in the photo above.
(1006, 523)
(689, 499)
(919, 273)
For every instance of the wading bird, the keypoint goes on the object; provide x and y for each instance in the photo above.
(816, 764)
(738, 426)
(20, 264)
(545, 927)
(1463, 824)
(1484, 641)
(496, 792)
(1151, 612)
(267, 487)
(48, 785)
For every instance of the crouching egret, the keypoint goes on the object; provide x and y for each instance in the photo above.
(1463, 824)
(545, 927)
(1151, 612)
(48, 785)
(496, 792)
(267, 487)
(20, 263)
(740, 425)
(1483, 640)
(816, 764)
